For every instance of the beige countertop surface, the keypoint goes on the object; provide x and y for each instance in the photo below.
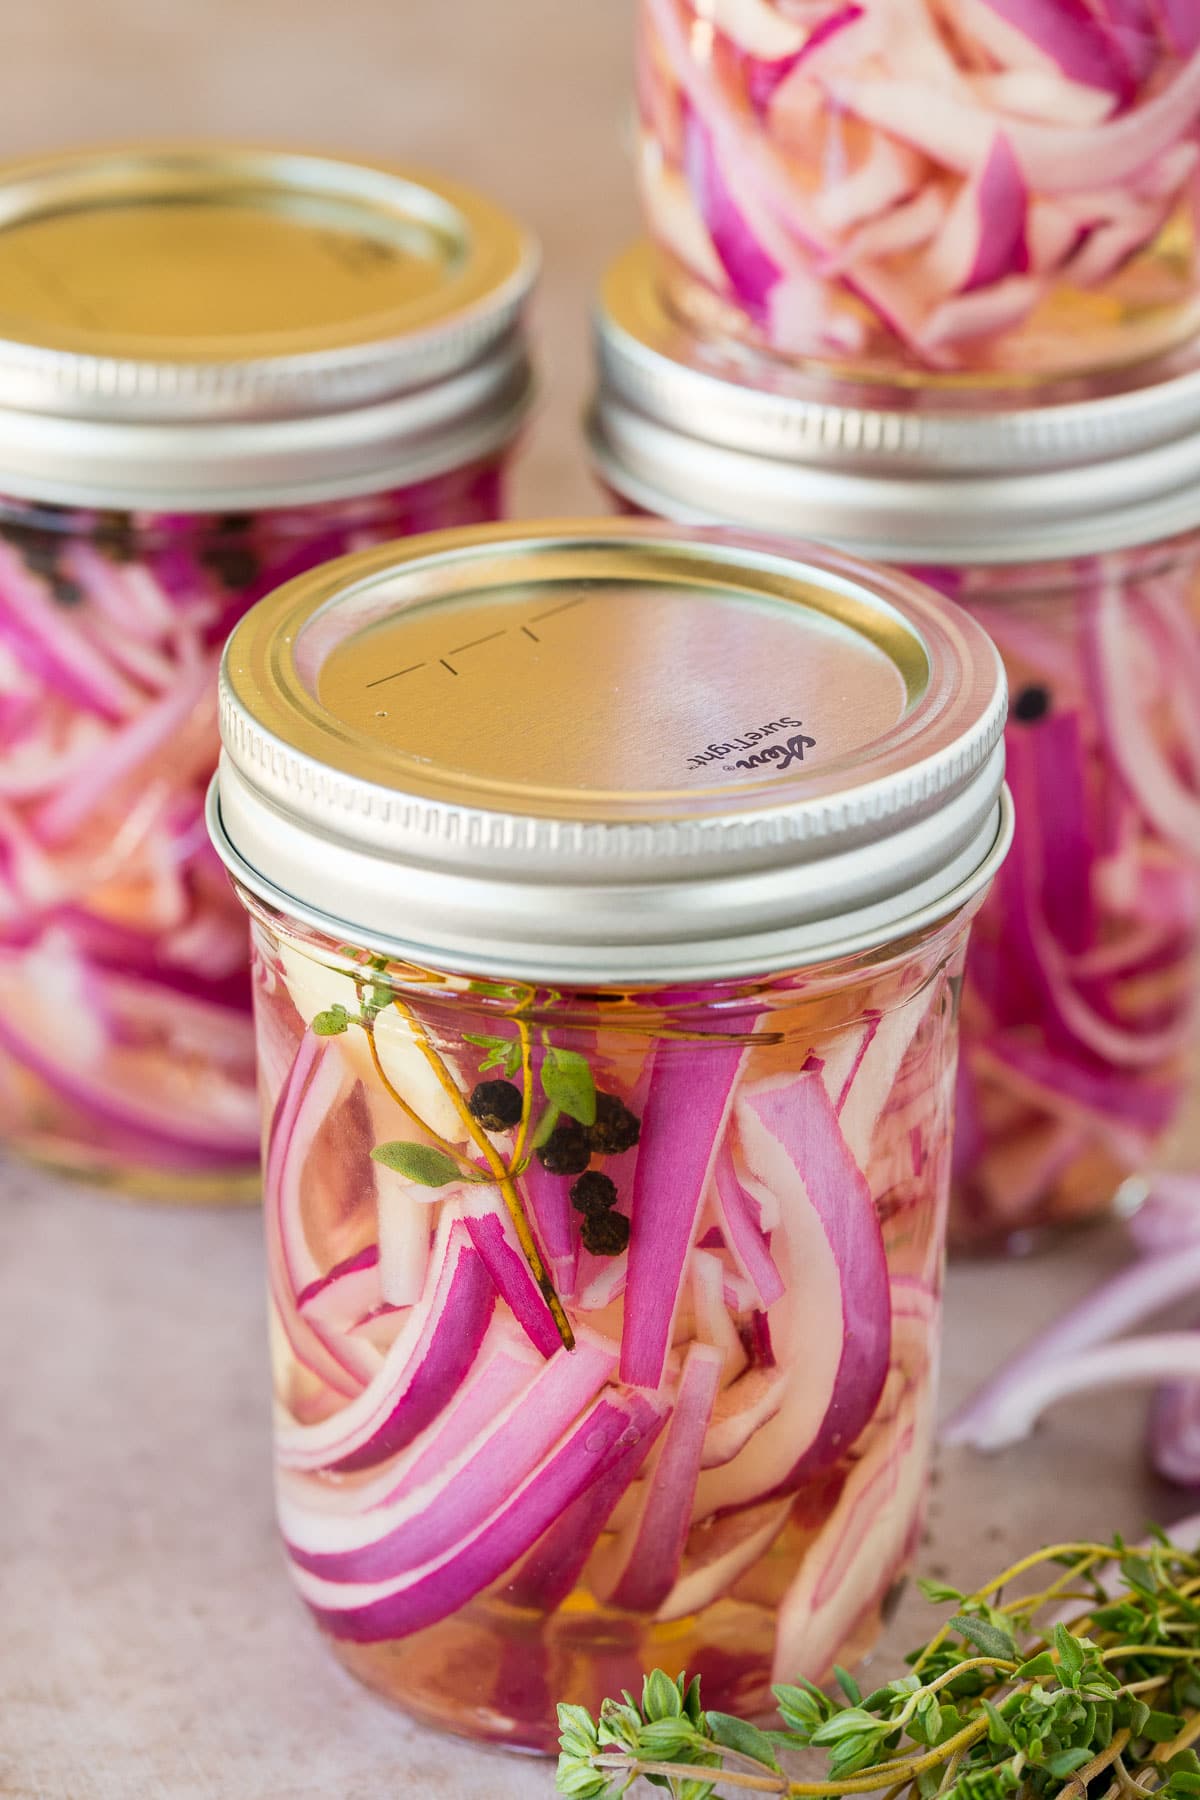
(149, 1643)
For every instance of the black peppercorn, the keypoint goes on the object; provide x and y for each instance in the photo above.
(605, 1233)
(593, 1192)
(616, 1128)
(496, 1104)
(1031, 704)
(566, 1151)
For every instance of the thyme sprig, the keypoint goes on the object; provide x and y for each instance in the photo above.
(1088, 1686)
(566, 1081)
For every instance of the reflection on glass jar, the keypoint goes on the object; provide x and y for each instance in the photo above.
(169, 456)
(968, 191)
(605, 1235)
(1066, 527)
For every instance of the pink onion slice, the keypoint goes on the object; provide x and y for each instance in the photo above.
(721, 1552)
(751, 270)
(832, 1328)
(983, 239)
(687, 1106)
(741, 1409)
(1168, 1217)
(1065, 33)
(555, 1565)
(857, 1556)
(1174, 1432)
(420, 1373)
(1131, 737)
(372, 1612)
(495, 1240)
(1015, 1406)
(645, 1559)
(349, 1292)
(791, 1138)
(748, 1243)
(427, 1520)
(504, 1369)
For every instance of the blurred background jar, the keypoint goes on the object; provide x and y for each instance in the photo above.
(1067, 525)
(218, 367)
(596, 1016)
(978, 190)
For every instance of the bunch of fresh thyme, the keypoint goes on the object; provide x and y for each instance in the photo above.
(1105, 1705)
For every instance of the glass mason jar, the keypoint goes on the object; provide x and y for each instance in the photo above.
(232, 366)
(607, 970)
(973, 190)
(1068, 530)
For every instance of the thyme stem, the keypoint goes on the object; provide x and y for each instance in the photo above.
(500, 1173)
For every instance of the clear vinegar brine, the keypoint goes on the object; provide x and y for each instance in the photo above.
(232, 366)
(965, 192)
(604, 1304)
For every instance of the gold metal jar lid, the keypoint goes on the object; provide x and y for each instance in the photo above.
(197, 325)
(609, 752)
(705, 431)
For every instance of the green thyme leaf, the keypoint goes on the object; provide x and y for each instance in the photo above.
(990, 1639)
(332, 1022)
(418, 1162)
(661, 1698)
(545, 1127)
(938, 1592)
(746, 1739)
(847, 1684)
(1070, 1654)
(568, 1084)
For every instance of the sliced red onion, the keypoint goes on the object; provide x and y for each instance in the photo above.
(867, 1087)
(726, 1549)
(125, 1114)
(755, 27)
(347, 1294)
(1054, 161)
(425, 1521)
(1168, 1217)
(646, 1557)
(504, 1369)
(555, 1566)
(740, 1410)
(983, 239)
(421, 1372)
(549, 1201)
(748, 1243)
(1136, 1294)
(687, 1106)
(711, 1321)
(860, 1551)
(1130, 737)
(373, 1612)
(1015, 1406)
(1174, 1432)
(1067, 33)
(1181, 23)
(832, 1328)
(145, 736)
(750, 269)
(494, 1238)
(69, 664)
(790, 1136)
(405, 1231)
